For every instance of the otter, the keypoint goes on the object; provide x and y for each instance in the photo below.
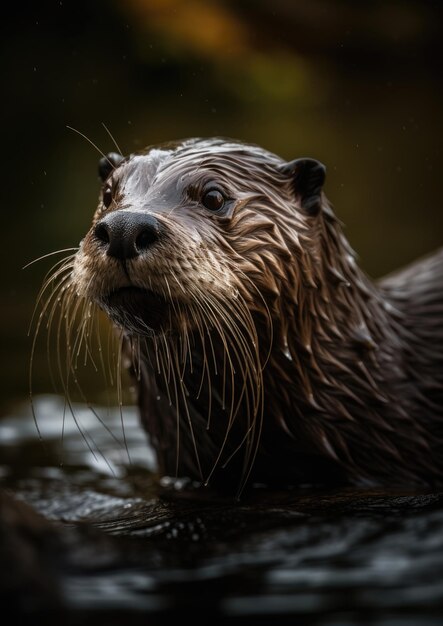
(261, 352)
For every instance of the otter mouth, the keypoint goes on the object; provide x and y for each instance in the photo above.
(137, 310)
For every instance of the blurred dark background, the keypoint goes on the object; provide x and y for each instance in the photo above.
(357, 85)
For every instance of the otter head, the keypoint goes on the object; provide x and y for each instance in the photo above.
(198, 229)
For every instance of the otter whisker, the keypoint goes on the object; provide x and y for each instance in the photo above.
(188, 346)
(188, 416)
(65, 383)
(158, 368)
(86, 436)
(92, 409)
(134, 343)
(96, 328)
(245, 377)
(161, 358)
(228, 320)
(48, 282)
(90, 142)
(111, 342)
(120, 393)
(58, 304)
(256, 384)
(194, 313)
(112, 138)
(82, 338)
(67, 316)
(147, 351)
(184, 344)
(206, 369)
(69, 319)
(34, 343)
(45, 256)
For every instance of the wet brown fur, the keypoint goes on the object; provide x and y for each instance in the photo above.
(276, 357)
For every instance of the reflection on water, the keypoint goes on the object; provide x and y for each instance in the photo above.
(127, 545)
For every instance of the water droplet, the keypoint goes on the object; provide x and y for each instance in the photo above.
(287, 353)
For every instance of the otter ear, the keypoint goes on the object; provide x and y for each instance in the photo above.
(308, 177)
(108, 163)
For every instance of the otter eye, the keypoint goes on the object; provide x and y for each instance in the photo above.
(107, 196)
(213, 200)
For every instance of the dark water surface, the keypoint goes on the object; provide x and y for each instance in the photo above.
(123, 548)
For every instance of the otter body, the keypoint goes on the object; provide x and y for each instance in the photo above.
(260, 350)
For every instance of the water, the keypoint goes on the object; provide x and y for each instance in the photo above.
(127, 546)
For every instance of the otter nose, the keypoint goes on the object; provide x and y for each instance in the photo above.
(127, 233)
